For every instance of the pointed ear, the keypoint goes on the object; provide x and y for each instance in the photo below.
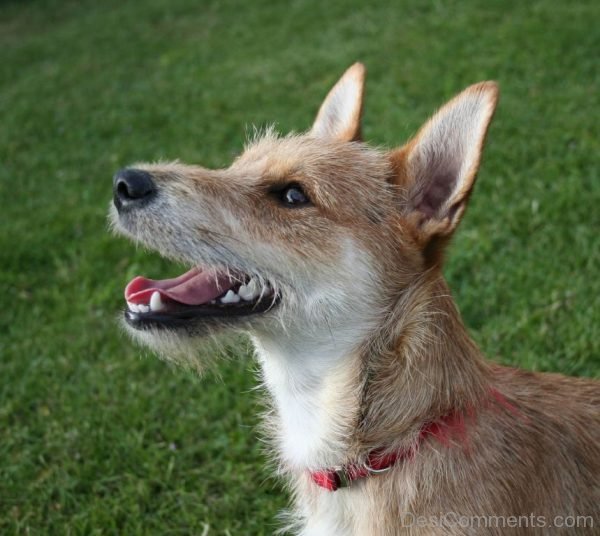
(340, 114)
(437, 169)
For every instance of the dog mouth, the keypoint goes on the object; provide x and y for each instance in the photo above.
(193, 296)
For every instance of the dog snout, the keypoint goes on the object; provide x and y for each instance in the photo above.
(132, 188)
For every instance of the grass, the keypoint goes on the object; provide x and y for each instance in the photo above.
(95, 439)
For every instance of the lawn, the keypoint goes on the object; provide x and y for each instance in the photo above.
(97, 437)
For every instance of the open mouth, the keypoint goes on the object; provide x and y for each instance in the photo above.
(195, 295)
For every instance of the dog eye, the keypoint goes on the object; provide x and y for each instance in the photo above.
(293, 195)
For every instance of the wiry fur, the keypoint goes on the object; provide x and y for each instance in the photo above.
(366, 344)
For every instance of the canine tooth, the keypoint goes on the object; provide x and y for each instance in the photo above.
(230, 297)
(247, 294)
(143, 308)
(156, 303)
(133, 307)
(250, 291)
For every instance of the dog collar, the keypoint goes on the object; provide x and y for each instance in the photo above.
(444, 430)
(379, 462)
(334, 479)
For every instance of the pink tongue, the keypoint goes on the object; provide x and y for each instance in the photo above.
(192, 288)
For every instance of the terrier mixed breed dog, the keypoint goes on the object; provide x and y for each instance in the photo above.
(328, 253)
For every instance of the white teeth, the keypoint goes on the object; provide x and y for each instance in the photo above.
(156, 303)
(250, 291)
(243, 292)
(138, 307)
(230, 297)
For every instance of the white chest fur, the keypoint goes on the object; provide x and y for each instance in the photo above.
(316, 398)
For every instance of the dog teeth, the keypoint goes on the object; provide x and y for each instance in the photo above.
(230, 297)
(250, 291)
(156, 303)
(247, 292)
(138, 307)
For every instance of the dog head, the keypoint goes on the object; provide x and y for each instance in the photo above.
(317, 233)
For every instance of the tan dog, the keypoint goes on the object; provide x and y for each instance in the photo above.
(387, 420)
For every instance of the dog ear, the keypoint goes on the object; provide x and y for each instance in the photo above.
(340, 114)
(436, 170)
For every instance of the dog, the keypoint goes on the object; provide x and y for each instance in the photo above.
(386, 418)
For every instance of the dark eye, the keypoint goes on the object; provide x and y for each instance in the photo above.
(293, 195)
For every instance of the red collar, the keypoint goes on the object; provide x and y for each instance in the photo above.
(377, 462)
(448, 428)
(333, 479)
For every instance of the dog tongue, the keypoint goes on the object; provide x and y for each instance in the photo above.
(192, 288)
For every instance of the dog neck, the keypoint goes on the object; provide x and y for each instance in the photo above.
(315, 391)
(421, 367)
(340, 395)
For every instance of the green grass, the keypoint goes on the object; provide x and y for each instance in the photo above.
(95, 439)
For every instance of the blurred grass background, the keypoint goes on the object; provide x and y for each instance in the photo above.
(95, 439)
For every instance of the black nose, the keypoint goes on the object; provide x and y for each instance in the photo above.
(132, 188)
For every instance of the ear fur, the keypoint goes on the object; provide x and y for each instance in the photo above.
(438, 167)
(340, 114)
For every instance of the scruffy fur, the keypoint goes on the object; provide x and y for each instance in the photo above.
(366, 344)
